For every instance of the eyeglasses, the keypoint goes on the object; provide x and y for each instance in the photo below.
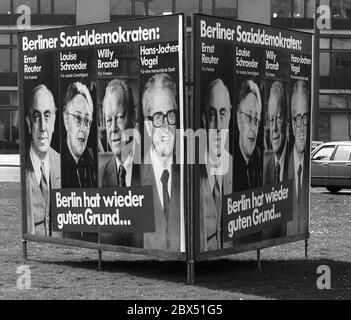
(118, 119)
(158, 118)
(48, 114)
(301, 119)
(251, 119)
(78, 120)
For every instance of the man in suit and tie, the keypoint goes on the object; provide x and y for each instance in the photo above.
(119, 114)
(216, 173)
(276, 163)
(160, 111)
(42, 162)
(299, 159)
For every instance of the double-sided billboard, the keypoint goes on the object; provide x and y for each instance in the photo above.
(252, 100)
(101, 105)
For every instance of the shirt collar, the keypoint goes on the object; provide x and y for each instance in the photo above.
(36, 162)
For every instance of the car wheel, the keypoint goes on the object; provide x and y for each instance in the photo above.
(333, 189)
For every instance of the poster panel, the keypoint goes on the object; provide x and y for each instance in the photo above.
(102, 104)
(252, 103)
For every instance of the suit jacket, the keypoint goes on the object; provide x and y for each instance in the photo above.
(35, 202)
(269, 167)
(110, 179)
(209, 217)
(241, 182)
(167, 234)
(299, 222)
(241, 179)
(269, 178)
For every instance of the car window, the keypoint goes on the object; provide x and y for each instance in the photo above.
(323, 153)
(342, 153)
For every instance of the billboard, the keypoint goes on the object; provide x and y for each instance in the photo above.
(252, 100)
(100, 107)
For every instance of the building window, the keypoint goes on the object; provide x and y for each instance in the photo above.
(5, 12)
(299, 9)
(5, 39)
(281, 13)
(32, 4)
(341, 14)
(45, 6)
(187, 7)
(226, 8)
(324, 64)
(206, 6)
(65, 12)
(141, 7)
(5, 61)
(120, 9)
(160, 7)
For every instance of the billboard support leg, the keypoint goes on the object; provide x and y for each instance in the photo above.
(99, 260)
(259, 260)
(24, 249)
(306, 248)
(190, 265)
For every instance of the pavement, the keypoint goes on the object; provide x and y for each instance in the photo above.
(9, 168)
(9, 160)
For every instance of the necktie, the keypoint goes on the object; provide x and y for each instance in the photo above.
(164, 180)
(249, 171)
(45, 192)
(122, 176)
(299, 188)
(218, 203)
(43, 183)
(277, 172)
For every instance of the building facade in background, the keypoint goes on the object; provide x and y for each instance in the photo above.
(335, 45)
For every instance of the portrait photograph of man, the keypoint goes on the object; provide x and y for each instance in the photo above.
(119, 171)
(216, 173)
(78, 161)
(276, 161)
(299, 158)
(42, 161)
(161, 118)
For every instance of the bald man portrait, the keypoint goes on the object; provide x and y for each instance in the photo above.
(42, 162)
(299, 158)
(216, 173)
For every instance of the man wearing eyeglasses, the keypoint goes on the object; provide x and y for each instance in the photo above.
(119, 114)
(248, 155)
(161, 118)
(43, 162)
(298, 162)
(77, 157)
(216, 174)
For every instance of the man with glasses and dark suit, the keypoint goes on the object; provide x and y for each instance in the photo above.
(42, 163)
(248, 156)
(299, 159)
(77, 158)
(159, 170)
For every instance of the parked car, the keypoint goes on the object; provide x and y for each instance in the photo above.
(315, 144)
(331, 166)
